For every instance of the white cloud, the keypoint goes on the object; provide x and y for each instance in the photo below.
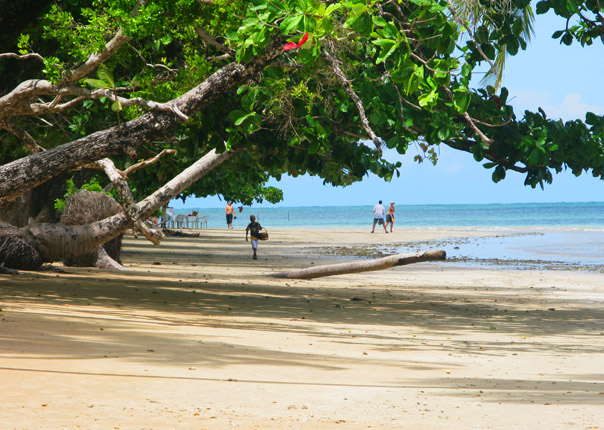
(571, 107)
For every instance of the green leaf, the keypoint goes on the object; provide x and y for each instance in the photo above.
(236, 115)
(332, 8)
(462, 101)
(290, 24)
(592, 119)
(391, 31)
(242, 119)
(387, 48)
(428, 100)
(314, 146)
(488, 50)
(535, 157)
(443, 133)
(97, 83)
(521, 4)
(105, 75)
(542, 7)
(379, 21)
(557, 34)
(567, 39)
(498, 174)
(362, 24)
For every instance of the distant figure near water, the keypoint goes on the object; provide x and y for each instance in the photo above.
(378, 216)
(229, 210)
(390, 217)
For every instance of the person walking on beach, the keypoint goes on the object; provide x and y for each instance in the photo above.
(229, 210)
(254, 228)
(390, 217)
(378, 216)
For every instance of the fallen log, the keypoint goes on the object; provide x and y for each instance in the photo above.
(362, 266)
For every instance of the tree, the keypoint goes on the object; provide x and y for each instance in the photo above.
(474, 18)
(260, 88)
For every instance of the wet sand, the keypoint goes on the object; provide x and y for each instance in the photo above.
(196, 335)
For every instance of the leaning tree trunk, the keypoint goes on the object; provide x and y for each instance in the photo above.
(26, 173)
(362, 266)
(55, 242)
(85, 207)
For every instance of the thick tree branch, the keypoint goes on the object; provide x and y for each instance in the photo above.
(118, 179)
(58, 241)
(24, 174)
(466, 147)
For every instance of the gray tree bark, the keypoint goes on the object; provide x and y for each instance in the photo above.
(362, 266)
(26, 173)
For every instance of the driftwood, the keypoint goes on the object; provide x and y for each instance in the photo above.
(362, 266)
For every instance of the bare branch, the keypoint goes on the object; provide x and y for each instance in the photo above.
(28, 141)
(148, 161)
(209, 39)
(469, 120)
(85, 94)
(220, 58)
(168, 107)
(119, 40)
(465, 146)
(355, 98)
(401, 99)
(22, 57)
(158, 66)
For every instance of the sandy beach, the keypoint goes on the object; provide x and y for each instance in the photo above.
(197, 335)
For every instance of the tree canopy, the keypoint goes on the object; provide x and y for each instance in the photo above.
(287, 87)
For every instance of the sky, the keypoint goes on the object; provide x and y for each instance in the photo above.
(566, 82)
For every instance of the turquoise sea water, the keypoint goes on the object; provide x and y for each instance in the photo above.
(566, 215)
(564, 236)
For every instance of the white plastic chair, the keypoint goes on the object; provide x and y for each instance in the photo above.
(181, 220)
(203, 220)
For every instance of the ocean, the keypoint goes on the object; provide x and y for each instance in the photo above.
(565, 236)
(553, 215)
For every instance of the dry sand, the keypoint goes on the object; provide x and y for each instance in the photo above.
(195, 335)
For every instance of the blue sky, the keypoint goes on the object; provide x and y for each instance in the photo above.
(566, 82)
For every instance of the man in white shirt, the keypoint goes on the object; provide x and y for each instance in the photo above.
(378, 216)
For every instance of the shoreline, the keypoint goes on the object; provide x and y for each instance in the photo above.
(194, 334)
(536, 248)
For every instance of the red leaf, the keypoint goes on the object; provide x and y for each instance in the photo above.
(292, 45)
(303, 40)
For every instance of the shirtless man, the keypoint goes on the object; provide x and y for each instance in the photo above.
(229, 210)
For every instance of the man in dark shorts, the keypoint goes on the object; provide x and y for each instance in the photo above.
(378, 216)
(254, 229)
(229, 210)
